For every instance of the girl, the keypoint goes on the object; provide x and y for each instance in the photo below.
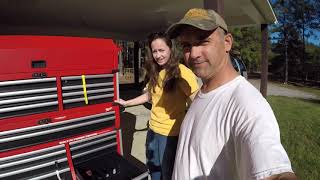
(170, 85)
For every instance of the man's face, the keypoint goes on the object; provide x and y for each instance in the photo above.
(205, 51)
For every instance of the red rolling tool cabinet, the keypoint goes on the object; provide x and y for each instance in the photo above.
(54, 92)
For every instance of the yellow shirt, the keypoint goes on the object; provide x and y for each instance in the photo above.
(169, 108)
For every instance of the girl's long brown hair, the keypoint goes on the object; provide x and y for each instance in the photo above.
(171, 67)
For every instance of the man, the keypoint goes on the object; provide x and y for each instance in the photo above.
(230, 131)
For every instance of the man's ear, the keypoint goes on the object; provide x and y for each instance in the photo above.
(228, 40)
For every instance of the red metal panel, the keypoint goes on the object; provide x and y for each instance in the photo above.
(55, 65)
(23, 41)
(69, 157)
(54, 143)
(32, 120)
(59, 92)
(61, 53)
(64, 56)
(56, 116)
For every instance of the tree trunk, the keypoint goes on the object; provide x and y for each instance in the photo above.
(264, 60)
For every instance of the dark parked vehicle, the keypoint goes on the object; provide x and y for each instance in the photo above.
(239, 66)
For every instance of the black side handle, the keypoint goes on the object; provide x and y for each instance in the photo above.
(38, 64)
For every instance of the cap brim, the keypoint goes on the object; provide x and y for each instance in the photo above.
(175, 29)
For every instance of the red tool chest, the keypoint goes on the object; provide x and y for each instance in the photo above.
(54, 92)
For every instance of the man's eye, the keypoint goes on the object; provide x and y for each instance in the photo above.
(201, 43)
(186, 46)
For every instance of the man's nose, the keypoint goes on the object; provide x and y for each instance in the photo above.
(194, 52)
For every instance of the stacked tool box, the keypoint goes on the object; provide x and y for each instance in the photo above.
(54, 92)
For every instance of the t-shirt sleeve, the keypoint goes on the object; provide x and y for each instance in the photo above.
(188, 82)
(146, 87)
(259, 152)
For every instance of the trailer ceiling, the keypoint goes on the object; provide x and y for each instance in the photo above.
(117, 19)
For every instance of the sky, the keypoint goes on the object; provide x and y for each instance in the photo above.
(315, 39)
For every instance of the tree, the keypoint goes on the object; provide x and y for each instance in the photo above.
(307, 20)
(247, 42)
(296, 21)
(312, 65)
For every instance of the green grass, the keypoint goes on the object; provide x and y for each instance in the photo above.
(299, 122)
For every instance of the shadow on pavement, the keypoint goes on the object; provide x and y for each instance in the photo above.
(128, 122)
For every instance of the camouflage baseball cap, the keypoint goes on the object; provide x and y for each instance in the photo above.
(204, 19)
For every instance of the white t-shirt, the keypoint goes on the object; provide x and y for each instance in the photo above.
(230, 133)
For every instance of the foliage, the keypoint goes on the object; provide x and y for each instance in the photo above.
(314, 51)
(247, 41)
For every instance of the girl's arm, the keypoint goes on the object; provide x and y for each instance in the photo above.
(135, 101)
